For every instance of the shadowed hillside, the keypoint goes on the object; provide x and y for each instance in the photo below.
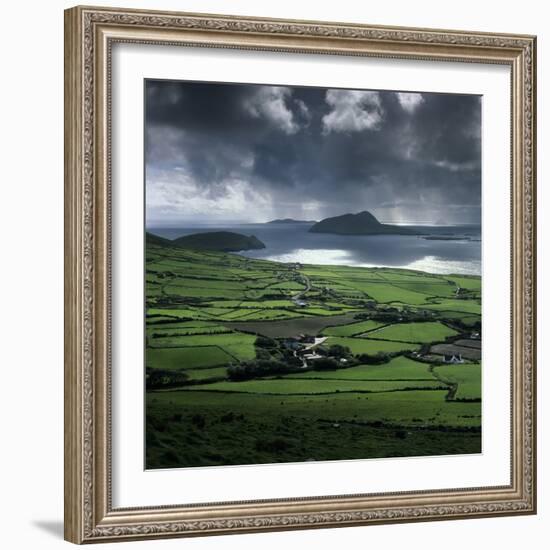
(363, 223)
(222, 241)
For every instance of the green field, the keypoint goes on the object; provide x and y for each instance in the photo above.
(206, 373)
(372, 347)
(210, 428)
(227, 381)
(353, 328)
(467, 377)
(413, 332)
(464, 306)
(311, 386)
(469, 283)
(186, 358)
(399, 368)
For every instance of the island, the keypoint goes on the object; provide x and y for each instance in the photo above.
(221, 241)
(363, 223)
(290, 220)
(448, 238)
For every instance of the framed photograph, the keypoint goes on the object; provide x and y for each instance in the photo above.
(300, 274)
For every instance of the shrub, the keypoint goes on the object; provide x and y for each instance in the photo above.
(338, 351)
(263, 354)
(158, 378)
(265, 342)
(294, 361)
(326, 363)
(258, 368)
(378, 359)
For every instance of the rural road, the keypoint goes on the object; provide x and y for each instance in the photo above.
(307, 282)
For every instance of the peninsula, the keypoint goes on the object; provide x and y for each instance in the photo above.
(220, 241)
(363, 223)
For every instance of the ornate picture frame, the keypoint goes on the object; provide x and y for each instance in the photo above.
(90, 34)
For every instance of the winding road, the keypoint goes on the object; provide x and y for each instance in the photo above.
(302, 293)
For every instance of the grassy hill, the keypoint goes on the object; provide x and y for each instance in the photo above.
(210, 314)
(222, 241)
(151, 239)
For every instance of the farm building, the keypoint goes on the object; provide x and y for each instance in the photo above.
(463, 349)
(454, 359)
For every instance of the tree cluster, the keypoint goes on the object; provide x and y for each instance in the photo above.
(258, 369)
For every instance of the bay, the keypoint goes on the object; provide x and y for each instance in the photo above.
(440, 249)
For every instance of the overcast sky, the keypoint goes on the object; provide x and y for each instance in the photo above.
(219, 153)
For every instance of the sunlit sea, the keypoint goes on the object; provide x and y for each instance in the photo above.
(456, 249)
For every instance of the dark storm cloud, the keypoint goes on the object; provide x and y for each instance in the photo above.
(245, 153)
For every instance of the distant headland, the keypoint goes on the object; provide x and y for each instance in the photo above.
(363, 223)
(222, 241)
(290, 220)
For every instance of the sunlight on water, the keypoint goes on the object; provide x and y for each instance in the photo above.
(429, 264)
(448, 250)
(432, 264)
(318, 256)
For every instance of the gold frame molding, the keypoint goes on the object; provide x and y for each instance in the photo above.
(89, 35)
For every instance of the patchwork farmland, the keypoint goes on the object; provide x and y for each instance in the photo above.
(251, 361)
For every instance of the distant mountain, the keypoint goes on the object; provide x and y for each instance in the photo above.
(222, 241)
(363, 223)
(290, 220)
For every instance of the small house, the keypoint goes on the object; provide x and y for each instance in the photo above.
(453, 359)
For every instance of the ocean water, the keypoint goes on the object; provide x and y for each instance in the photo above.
(455, 249)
